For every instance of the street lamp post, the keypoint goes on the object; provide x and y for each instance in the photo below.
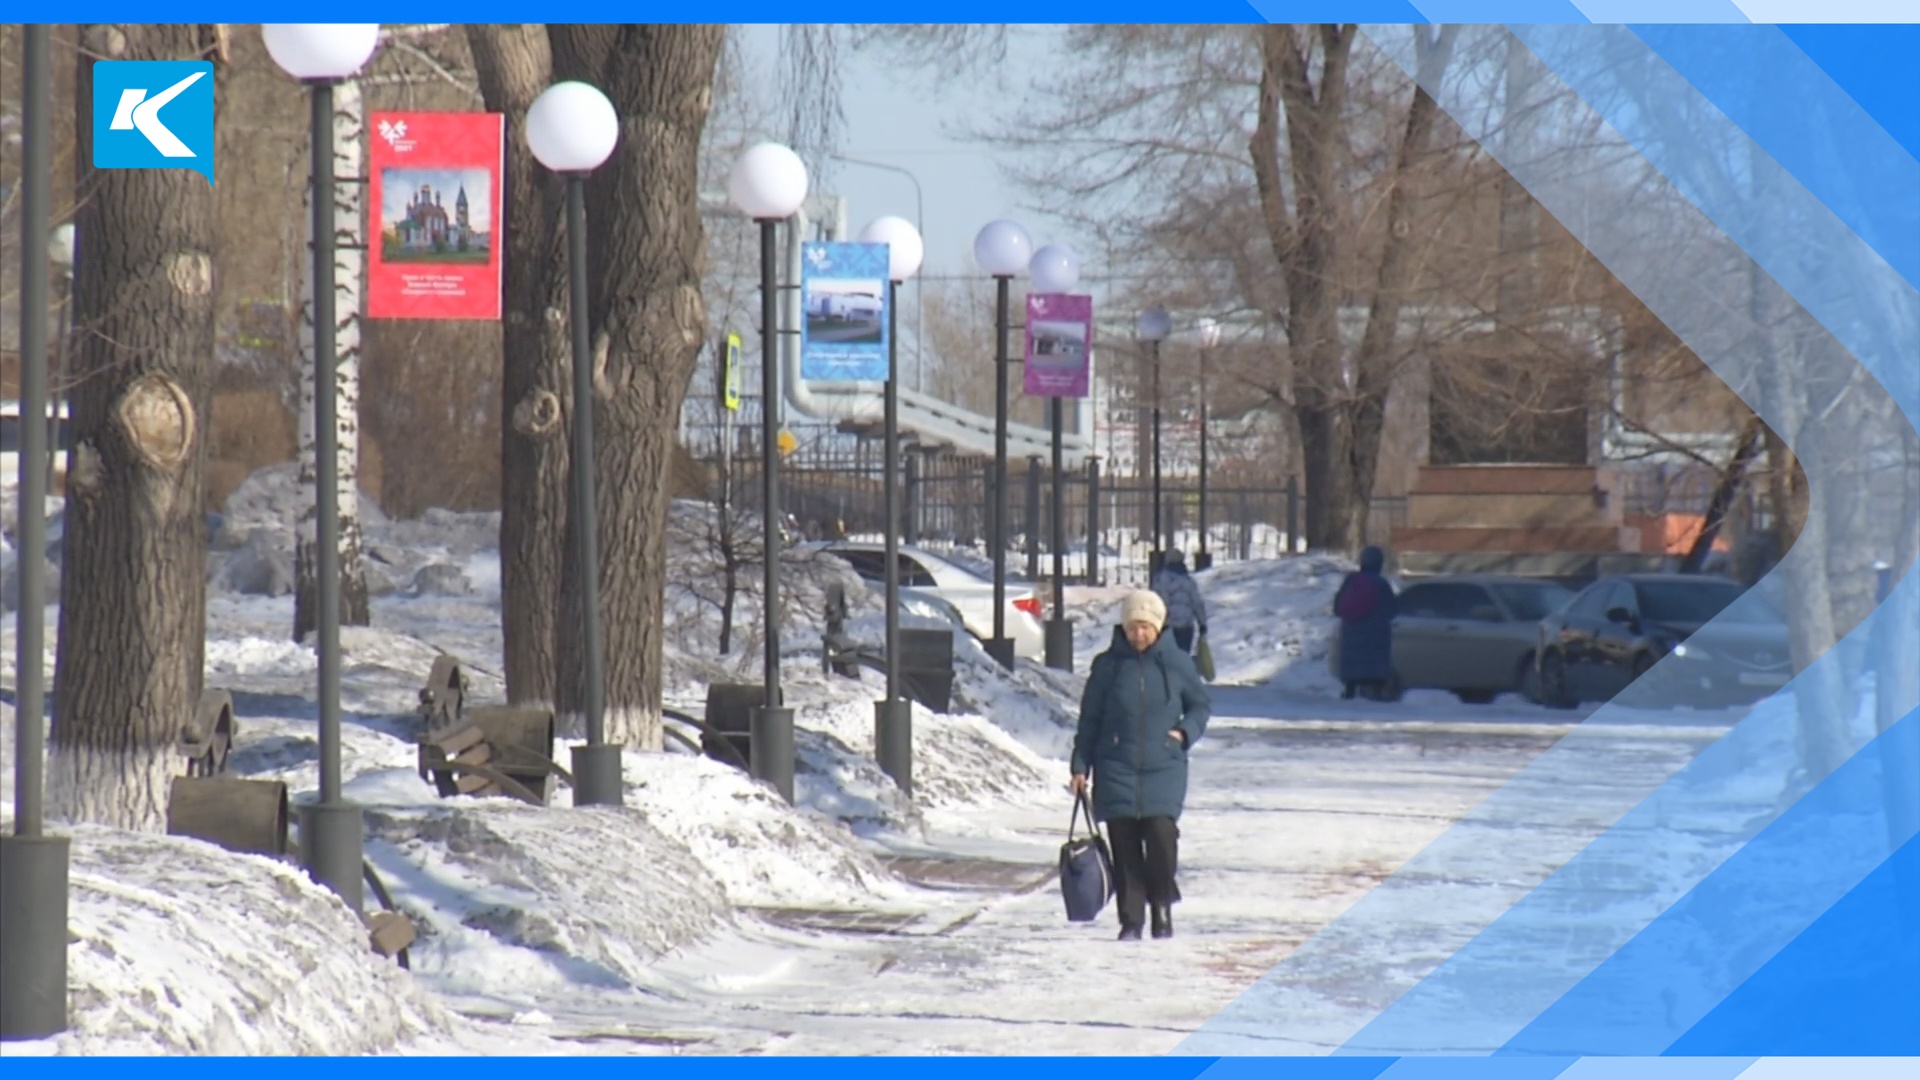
(1154, 326)
(60, 249)
(769, 184)
(33, 865)
(572, 129)
(1003, 249)
(1055, 269)
(919, 285)
(1208, 331)
(893, 718)
(321, 55)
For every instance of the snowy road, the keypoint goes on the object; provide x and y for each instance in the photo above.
(1287, 826)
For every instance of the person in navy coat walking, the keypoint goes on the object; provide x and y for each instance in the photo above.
(1366, 606)
(1144, 708)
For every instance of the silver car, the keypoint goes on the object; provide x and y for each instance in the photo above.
(1473, 635)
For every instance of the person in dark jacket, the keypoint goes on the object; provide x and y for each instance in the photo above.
(1186, 608)
(1366, 606)
(1144, 708)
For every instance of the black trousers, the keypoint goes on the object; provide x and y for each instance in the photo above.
(1183, 637)
(1146, 855)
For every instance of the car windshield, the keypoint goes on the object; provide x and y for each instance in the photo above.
(1694, 602)
(1530, 603)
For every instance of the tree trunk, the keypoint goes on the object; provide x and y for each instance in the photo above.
(1305, 243)
(1801, 529)
(133, 606)
(514, 65)
(1375, 363)
(647, 252)
(349, 228)
(1720, 504)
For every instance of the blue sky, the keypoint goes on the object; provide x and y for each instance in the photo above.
(902, 119)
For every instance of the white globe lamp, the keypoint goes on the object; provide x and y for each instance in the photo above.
(1002, 248)
(320, 52)
(572, 128)
(905, 249)
(1207, 332)
(60, 246)
(1054, 269)
(768, 183)
(1155, 324)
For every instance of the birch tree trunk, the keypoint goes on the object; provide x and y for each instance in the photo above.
(349, 226)
(132, 628)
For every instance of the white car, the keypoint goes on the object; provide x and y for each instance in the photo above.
(922, 571)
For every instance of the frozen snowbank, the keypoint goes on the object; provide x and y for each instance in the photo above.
(180, 947)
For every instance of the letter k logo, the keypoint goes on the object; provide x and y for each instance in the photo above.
(129, 128)
(144, 116)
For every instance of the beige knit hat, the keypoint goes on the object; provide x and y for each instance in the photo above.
(1144, 606)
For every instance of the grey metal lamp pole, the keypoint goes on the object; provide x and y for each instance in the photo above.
(1154, 326)
(1209, 334)
(1002, 248)
(332, 830)
(769, 184)
(33, 865)
(1055, 269)
(572, 129)
(893, 717)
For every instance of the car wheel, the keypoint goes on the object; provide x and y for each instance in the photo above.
(1474, 697)
(1554, 691)
(1526, 680)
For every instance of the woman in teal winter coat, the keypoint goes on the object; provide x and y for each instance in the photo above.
(1144, 708)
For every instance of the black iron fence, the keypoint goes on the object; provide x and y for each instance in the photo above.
(1107, 528)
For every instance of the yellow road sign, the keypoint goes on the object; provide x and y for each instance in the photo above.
(730, 395)
(787, 443)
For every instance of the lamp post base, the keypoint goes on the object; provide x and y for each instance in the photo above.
(1155, 560)
(33, 936)
(771, 748)
(597, 780)
(893, 742)
(1202, 560)
(1060, 644)
(332, 848)
(1001, 649)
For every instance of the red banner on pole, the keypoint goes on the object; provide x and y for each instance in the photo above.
(434, 237)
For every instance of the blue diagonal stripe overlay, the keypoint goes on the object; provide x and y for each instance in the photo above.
(1542, 893)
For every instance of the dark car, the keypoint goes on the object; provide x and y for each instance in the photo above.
(1472, 635)
(1619, 627)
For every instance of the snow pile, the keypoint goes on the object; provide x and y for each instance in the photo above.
(1272, 621)
(151, 916)
(760, 851)
(513, 896)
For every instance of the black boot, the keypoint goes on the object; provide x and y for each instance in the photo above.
(1129, 931)
(1162, 922)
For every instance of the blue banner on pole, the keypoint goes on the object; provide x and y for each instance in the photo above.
(843, 325)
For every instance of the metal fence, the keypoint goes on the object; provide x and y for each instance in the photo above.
(835, 492)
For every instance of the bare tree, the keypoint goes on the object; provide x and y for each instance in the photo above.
(349, 285)
(133, 613)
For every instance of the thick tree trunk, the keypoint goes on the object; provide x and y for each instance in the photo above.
(647, 254)
(514, 65)
(349, 227)
(1375, 363)
(133, 611)
(1305, 243)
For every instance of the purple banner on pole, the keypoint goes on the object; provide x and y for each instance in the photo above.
(1059, 344)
